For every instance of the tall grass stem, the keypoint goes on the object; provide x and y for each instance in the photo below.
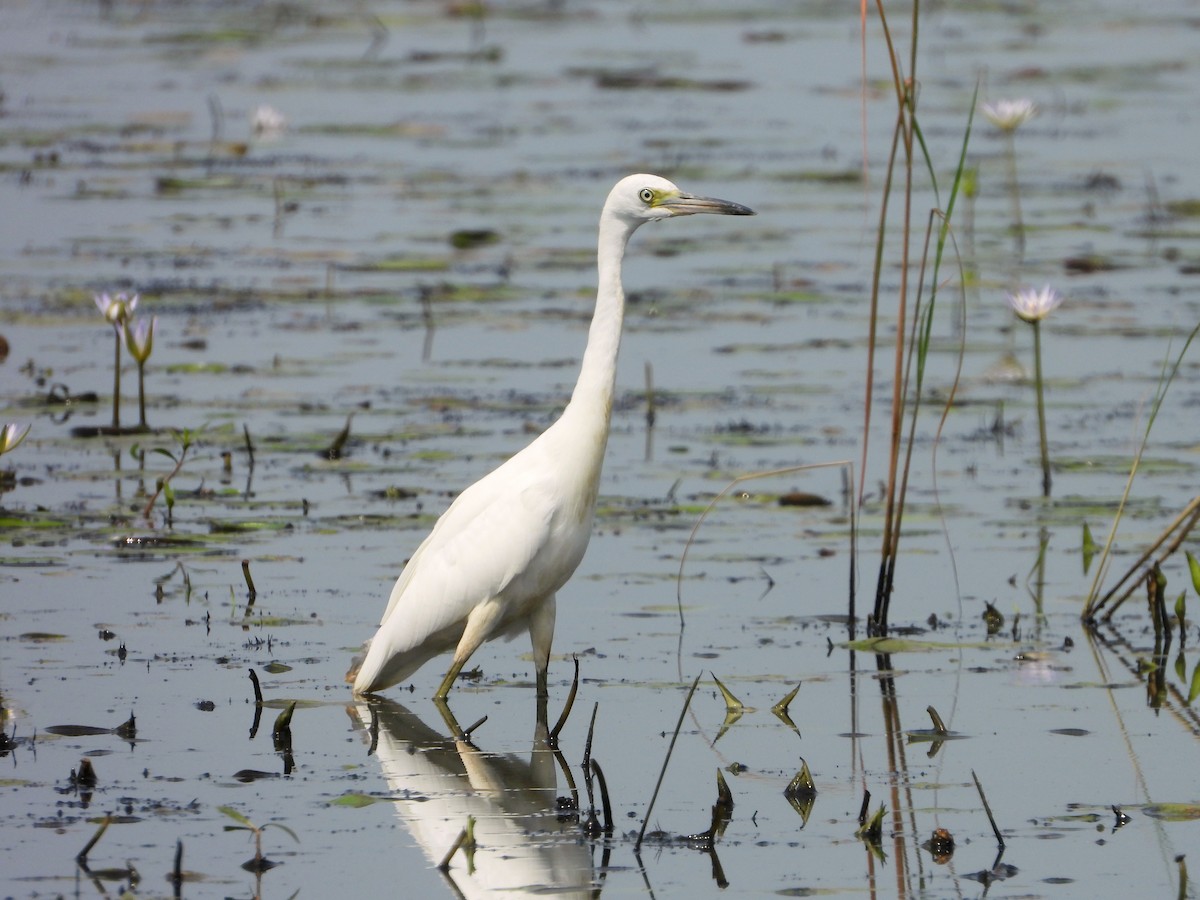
(1041, 406)
(116, 403)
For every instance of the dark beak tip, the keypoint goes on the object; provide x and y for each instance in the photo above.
(737, 209)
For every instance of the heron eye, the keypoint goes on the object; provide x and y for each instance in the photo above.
(646, 194)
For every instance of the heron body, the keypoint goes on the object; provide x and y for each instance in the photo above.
(495, 559)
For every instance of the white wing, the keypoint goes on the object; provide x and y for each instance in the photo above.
(512, 538)
(490, 534)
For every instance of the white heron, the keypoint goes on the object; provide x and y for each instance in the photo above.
(494, 560)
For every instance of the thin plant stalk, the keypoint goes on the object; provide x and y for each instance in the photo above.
(1041, 406)
(1015, 190)
(873, 316)
(1184, 524)
(908, 134)
(1008, 116)
(142, 395)
(901, 134)
(919, 352)
(164, 483)
(918, 342)
(1091, 606)
(116, 310)
(139, 340)
(116, 403)
(663, 771)
(877, 271)
(185, 439)
(904, 133)
(961, 185)
(1031, 306)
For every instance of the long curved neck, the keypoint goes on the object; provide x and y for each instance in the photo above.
(593, 393)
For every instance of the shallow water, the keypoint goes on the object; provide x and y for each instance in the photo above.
(288, 277)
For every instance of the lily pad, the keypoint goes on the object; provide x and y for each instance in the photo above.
(354, 801)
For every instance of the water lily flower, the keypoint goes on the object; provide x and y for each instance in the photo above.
(1032, 305)
(11, 436)
(1009, 115)
(139, 337)
(116, 309)
(268, 122)
(139, 340)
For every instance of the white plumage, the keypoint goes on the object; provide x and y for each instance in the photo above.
(496, 557)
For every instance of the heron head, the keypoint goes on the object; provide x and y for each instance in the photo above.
(644, 198)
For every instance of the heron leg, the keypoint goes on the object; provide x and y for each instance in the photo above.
(480, 622)
(448, 682)
(541, 635)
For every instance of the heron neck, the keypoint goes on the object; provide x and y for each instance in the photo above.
(597, 375)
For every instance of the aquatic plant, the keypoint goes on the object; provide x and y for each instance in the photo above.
(268, 123)
(115, 311)
(1008, 116)
(260, 863)
(1032, 306)
(11, 436)
(1183, 524)
(139, 340)
(913, 320)
(185, 438)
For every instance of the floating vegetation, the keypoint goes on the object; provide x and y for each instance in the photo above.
(468, 239)
(648, 79)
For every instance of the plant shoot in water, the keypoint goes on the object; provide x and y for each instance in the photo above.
(185, 439)
(260, 863)
(11, 436)
(139, 340)
(115, 311)
(1032, 306)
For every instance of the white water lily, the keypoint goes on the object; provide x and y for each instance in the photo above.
(11, 436)
(1009, 115)
(1033, 305)
(268, 122)
(116, 309)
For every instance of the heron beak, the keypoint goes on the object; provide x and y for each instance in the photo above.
(682, 204)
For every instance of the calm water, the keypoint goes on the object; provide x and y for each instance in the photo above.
(294, 276)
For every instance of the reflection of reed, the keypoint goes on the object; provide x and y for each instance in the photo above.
(523, 845)
(1162, 694)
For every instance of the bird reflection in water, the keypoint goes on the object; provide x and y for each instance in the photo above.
(525, 844)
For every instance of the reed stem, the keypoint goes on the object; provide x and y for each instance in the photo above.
(1041, 406)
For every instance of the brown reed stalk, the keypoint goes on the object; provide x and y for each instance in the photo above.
(911, 344)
